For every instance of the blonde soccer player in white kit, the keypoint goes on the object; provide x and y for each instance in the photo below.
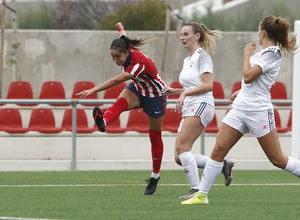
(196, 102)
(252, 107)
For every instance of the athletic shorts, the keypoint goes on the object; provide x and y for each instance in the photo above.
(203, 110)
(154, 107)
(258, 123)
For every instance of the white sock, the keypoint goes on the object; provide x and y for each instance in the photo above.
(201, 160)
(155, 175)
(104, 122)
(293, 166)
(211, 172)
(190, 168)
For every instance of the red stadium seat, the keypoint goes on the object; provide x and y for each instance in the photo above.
(172, 120)
(278, 123)
(20, 90)
(114, 92)
(11, 121)
(236, 86)
(137, 121)
(278, 91)
(53, 90)
(82, 123)
(213, 126)
(42, 120)
(175, 85)
(218, 92)
(83, 85)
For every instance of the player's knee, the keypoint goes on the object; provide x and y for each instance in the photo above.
(218, 152)
(277, 162)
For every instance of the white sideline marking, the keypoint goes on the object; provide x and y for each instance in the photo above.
(20, 218)
(108, 185)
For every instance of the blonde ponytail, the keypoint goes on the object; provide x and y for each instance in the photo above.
(207, 37)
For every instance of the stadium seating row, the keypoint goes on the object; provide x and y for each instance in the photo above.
(55, 90)
(278, 90)
(43, 120)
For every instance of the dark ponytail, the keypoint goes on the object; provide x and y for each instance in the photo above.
(278, 30)
(125, 43)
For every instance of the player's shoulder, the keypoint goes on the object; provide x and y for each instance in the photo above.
(272, 52)
(271, 49)
(201, 51)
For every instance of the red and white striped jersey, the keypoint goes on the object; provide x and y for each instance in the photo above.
(147, 80)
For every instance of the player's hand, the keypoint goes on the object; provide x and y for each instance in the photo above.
(233, 96)
(85, 93)
(119, 26)
(179, 103)
(249, 48)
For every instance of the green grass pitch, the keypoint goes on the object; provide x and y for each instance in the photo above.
(119, 195)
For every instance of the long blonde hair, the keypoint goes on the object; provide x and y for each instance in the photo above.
(278, 29)
(207, 37)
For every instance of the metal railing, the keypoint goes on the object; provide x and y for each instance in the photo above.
(75, 102)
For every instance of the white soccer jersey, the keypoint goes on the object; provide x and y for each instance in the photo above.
(256, 95)
(190, 77)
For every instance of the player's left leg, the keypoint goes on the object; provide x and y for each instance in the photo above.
(226, 139)
(157, 147)
(271, 146)
(190, 130)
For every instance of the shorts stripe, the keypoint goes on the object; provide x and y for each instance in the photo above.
(270, 118)
(200, 109)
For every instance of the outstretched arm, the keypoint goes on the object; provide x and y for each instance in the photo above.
(119, 26)
(107, 84)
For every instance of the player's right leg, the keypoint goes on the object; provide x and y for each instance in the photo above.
(126, 101)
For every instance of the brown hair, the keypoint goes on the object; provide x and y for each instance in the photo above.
(277, 29)
(207, 37)
(125, 43)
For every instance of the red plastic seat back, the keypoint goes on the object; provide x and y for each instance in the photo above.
(42, 120)
(53, 90)
(20, 90)
(11, 121)
(137, 121)
(84, 85)
(114, 92)
(172, 120)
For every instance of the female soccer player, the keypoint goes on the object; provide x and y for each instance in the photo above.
(196, 102)
(252, 107)
(144, 91)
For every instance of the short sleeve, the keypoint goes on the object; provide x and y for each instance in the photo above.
(205, 64)
(268, 60)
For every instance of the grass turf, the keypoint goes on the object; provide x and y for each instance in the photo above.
(119, 195)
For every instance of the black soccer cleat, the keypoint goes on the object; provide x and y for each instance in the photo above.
(98, 117)
(152, 184)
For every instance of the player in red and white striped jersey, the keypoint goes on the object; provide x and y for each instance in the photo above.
(144, 91)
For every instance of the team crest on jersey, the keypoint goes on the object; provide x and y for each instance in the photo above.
(191, 64)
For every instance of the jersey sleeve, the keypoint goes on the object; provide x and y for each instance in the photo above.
(205, 64)
(268, 60)
(136, 69)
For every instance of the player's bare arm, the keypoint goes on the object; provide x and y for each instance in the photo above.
(107, 84)
(206, 86)
(119, 26)
(171, 91)
(250, 74)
